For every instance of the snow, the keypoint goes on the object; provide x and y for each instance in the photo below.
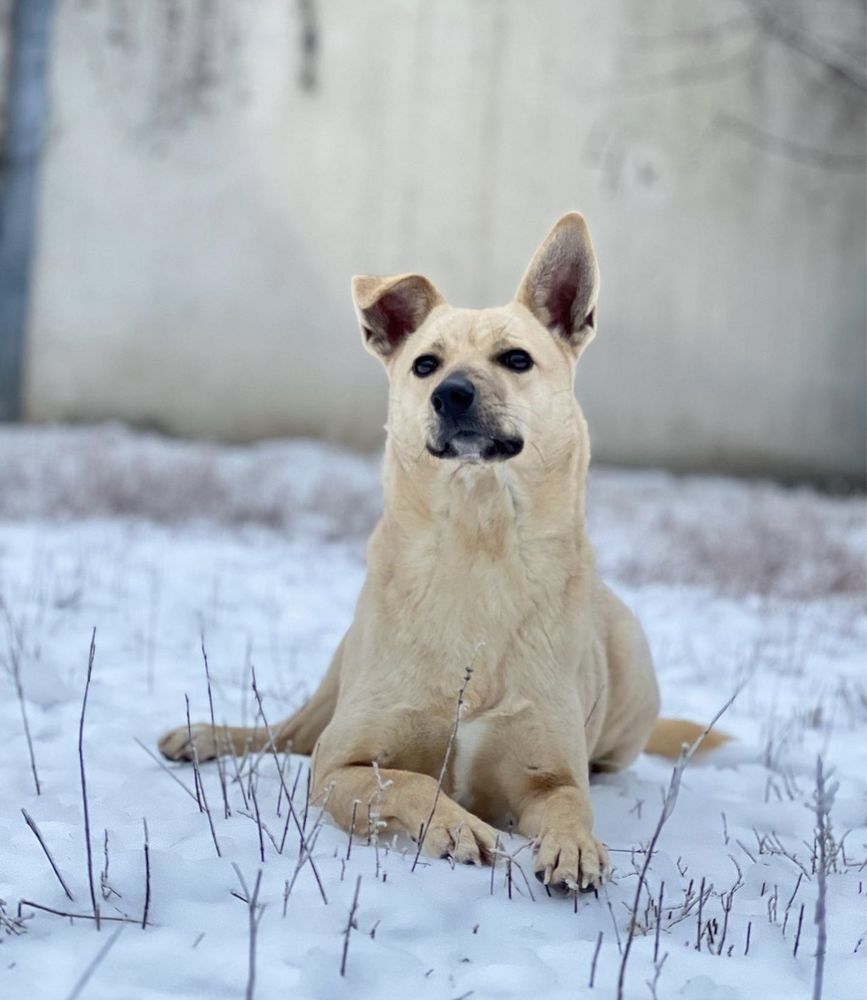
(156, 543)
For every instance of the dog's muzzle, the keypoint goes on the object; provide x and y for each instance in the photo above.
(461, 430)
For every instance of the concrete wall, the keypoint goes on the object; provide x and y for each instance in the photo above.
(212, 181)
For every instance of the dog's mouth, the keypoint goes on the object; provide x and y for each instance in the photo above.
(474, 446)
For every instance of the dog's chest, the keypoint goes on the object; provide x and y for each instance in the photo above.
(470, 739)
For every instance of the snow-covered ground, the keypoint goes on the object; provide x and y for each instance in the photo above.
(157, 543)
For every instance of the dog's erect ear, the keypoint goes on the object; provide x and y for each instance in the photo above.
(391, 309)
(562, 282)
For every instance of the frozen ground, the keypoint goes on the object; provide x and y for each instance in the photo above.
(156, 543)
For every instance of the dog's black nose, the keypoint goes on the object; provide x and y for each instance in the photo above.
(453, 396)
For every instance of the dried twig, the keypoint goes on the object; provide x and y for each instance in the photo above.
(701, 899)
(791, 900)
(168, 770)
(84, 780)
(104, 884)
(200, 785)
(350, 924)
(652, 984)
(512, 861)
(147, 864)
(32, 824)
(73, 916)
(798, 931)
(272, 745)
(668, 804)
(252, 902)
(196, 776)
(15, 669)
(468, 673)
(259, 825)
(824, 800)
(355, 804)
(595, 959)
(305, 849)
(17, 925)
(227, 812)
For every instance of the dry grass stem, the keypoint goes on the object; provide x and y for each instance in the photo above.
(595, 959)
(668, 804)
(73, 916)
(220, 768)
(167, 769)
(32, 824)
(84, 804)
(824, 798)
(15, 670)
(254, 917)
(468, 673)
(350, 924)
(272, 746)
(202, 797)
(147, 867)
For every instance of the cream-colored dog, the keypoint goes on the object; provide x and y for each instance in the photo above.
(481, 578)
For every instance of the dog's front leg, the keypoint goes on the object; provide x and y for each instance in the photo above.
(559, 820)
(361, 799)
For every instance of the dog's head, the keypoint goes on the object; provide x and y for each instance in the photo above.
(486, 385)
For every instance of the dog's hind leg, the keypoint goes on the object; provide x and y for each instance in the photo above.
(298, 733)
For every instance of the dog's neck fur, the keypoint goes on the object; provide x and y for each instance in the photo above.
(497, 524)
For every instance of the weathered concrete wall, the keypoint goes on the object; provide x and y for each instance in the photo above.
(5, 40)
(211, 183)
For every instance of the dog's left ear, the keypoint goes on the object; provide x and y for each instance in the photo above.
(391, 309)
(562, 283)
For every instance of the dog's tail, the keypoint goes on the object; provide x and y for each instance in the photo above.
(669, 735)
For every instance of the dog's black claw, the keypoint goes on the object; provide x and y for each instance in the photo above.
(586, 889)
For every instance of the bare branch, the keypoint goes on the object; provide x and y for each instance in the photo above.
(795, 151)
(835, 59)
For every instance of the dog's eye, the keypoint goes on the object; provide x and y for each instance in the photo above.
(425, 364)
(516, 361)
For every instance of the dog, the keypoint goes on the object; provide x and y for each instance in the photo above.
(488, 670)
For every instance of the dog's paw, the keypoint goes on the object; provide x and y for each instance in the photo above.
(462, 838)
(177, 744)
(570, 862)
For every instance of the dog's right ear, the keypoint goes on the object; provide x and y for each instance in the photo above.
(392, 309)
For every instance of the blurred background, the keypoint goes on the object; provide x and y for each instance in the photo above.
(188, 186)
